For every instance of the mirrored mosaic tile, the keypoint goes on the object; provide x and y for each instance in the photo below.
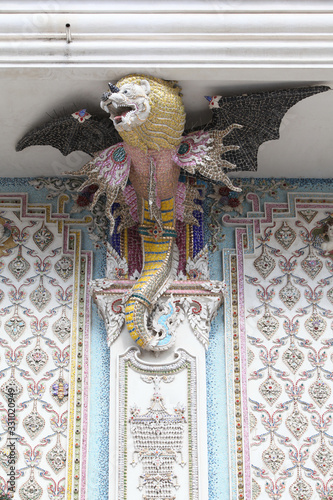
(15, 326)
(19, 266)
(285, 235)
(62, 328)
(30, 490)
(270, 390)
(293, 358)
(40, 297)
(256, 490)
(300, 490)
(11, 388)
(320, 392)
(265, 263)
(33, 424)
(330, 295)
(56, 457)
(4, 456)
(308, 214)
(315, 325)
(43, 238)
(289, 294)
(64, 267)
(323, 458)
(250, 357)
(36, 359)
(329, 265)
(312, 265)
(253, 421)
(273, 457)
(268, 325)
(297, 423)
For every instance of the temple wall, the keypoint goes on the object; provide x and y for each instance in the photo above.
(268, 364)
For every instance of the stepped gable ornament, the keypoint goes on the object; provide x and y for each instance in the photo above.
(149, 116)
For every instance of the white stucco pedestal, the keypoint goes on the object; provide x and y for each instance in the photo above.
(158, 427)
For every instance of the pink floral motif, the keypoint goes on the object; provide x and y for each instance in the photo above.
(227, 200)
(81, 115)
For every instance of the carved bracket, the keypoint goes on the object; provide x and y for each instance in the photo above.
(196, 300)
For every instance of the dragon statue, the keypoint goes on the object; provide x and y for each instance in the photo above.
(143, 171)
(149, 115)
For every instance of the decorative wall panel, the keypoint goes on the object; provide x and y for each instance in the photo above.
(271, 399)
(279, 342)
(158, 454)
(44, 351)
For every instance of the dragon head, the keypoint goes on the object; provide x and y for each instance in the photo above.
(128, 105)
(147, 112)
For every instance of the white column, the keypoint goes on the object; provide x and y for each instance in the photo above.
(158, 426)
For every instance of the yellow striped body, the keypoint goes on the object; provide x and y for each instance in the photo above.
(158, 260)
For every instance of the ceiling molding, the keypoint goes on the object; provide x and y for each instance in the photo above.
(211, 47)
(190, 34)
(165, 6)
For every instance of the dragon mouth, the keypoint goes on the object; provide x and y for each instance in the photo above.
(119, 112)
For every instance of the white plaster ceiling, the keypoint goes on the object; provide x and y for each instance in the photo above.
(41, 76)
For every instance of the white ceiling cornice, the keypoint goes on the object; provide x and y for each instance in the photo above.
(211, 47)
(190, 34)
(165, 6)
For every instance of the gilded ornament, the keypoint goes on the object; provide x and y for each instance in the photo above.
(59, 391)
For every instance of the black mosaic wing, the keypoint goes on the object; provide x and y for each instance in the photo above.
(260, 116)
(77, 132)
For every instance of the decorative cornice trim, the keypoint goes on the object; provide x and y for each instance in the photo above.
(166, 6)
(187, 34)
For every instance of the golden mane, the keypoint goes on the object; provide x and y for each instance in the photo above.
(165, 125)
